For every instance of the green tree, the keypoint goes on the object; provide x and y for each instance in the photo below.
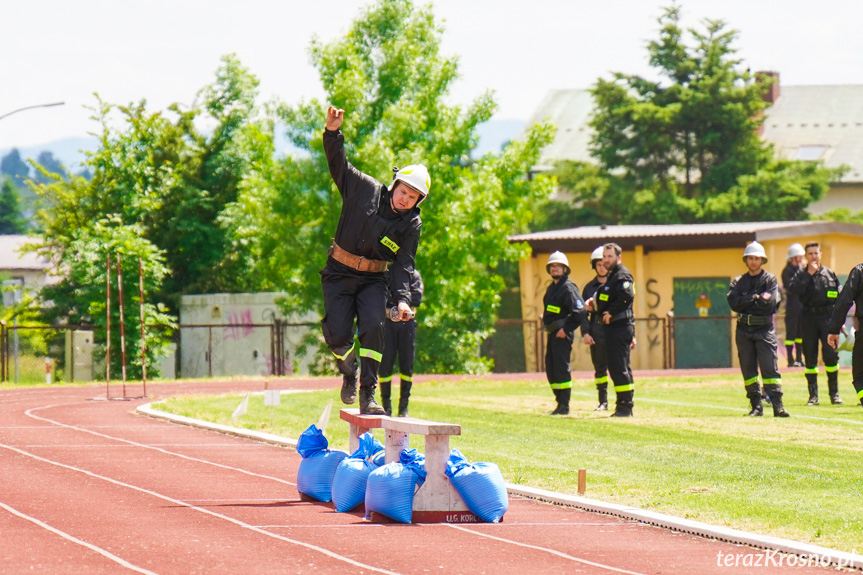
(687, 145)
(14, 167)
(11, 219)
(162, 172)
(390, 77)
(80, 297)
(50, 164)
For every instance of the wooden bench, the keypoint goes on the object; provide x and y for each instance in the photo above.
(436, 501)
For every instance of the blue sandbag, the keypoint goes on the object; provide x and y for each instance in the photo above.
(390, 489)
(480, 485)
(315, 475)
(349, 481)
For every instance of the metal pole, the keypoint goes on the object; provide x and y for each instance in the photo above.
(143, 341)
(30, 108)
(15, 346)
(122, 323)
(108, 326)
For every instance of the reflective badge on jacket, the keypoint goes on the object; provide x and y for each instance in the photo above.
(552, 309)
(833, 294)
(390, 244)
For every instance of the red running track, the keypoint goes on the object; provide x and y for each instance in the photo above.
(89, 486)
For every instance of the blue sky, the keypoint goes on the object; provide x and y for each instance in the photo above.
(164, 51)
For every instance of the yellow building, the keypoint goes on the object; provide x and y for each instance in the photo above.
(681, 274)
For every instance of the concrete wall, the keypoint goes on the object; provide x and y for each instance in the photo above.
(236, 337)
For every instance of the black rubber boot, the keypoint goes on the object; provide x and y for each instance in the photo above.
(349, 388)
(368, 405)
(563, 402)
(556, 410)
(350, 370)
(624, 404)
(386, 402)
(789, 353)
(404, 397)
(602, 392)
(812, 384)
(833, 387)
(753, 392)
(798, 358)
(775, 392)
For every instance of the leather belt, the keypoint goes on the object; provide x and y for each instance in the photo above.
(747, 319)
(627, 314)
(818, 309)
(358, 263)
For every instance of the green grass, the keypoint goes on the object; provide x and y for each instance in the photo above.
(689, 452)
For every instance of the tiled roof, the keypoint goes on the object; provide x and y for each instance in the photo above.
(678, 236)
(12, 258)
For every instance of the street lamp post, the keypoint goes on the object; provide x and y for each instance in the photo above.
(31, 107)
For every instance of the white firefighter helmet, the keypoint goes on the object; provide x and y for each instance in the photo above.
(596, 256)
(416, 176)
(755, 249)
(557, 258)
(795, 250)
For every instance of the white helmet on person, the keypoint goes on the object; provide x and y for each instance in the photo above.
(755, 249)
(795, 250)
(557, 258)
(416, 176)
(596, 256)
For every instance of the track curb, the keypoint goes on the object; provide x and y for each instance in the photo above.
(812, 553)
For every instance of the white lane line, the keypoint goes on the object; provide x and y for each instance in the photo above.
(73, 539)
(30, 413)
(177, 502)
(545, 549)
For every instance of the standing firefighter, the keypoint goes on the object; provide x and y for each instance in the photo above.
(563, 313)
(593, 332)
(613, 303)
(377, 225)
(755, 297)
(793, 337)
(400, 339)
(817, 287)
(852, 294)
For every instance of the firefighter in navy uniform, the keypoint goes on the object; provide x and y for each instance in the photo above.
(400, 339)
(377, 225)
(563, 313)
(754, 296)
(593, 332)
(817, 287)
(613, 303)
(852, 294)
(793, 338)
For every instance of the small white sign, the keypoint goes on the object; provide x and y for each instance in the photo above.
(272, 396)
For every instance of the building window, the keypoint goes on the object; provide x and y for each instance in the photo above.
(810, 153)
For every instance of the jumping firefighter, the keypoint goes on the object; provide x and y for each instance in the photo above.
(564, 311)
(754, 296)
(400, 338)
(817, 287)
(593, 332)
(613, 302)
(852, 293)
(793, 338)
(377, 225)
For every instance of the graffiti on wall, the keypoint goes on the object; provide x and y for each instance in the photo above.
(654, 322)
(239, 325)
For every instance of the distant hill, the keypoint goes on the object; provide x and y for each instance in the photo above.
(70, 151)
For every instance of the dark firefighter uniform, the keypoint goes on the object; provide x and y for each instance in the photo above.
(400, 339)
(562, 308)
(369, 234)
(793, 337)
(616, 298)
(852, 294)
(594, 327)
(756, 337)
(818, 293)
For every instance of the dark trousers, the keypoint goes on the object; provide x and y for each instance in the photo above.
(557, 354)
(399, 340)
(618, 339)
(814, 329)
(857, 368)
(598, 356)
(757, 350)
(361, 298)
